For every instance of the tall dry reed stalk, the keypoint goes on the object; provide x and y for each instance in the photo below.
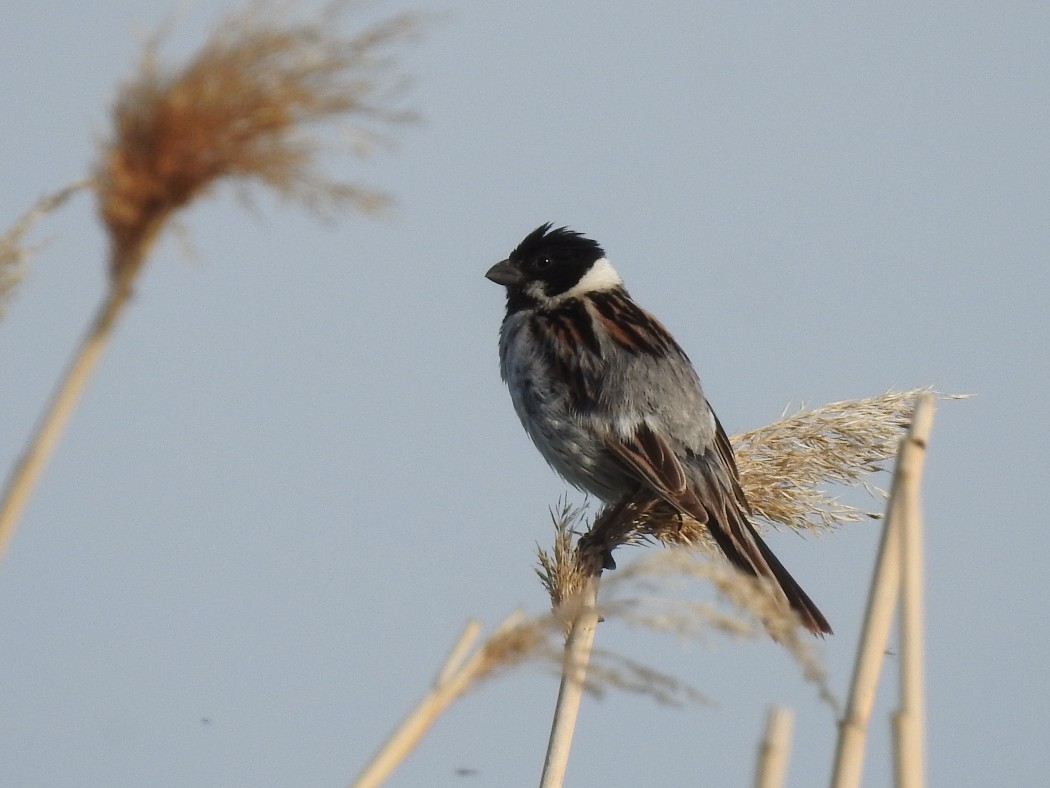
(461, 668)
(578, 646)
(910, 719)
(882, 600)
(249, 108)
(579, 642)
(775, 750)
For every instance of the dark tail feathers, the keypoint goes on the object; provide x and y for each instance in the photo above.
(768, 566)
(800, 602)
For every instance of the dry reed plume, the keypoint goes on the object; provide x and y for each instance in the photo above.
(640, 595)
(785, 465)
(248, 107)
(13, 252)
(255, 106)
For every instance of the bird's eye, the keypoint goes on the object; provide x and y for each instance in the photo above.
(543, 262)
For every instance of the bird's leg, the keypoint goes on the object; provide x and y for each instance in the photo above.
(612, 528)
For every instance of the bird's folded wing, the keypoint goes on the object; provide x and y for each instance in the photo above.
(647, 455)
(705, 494)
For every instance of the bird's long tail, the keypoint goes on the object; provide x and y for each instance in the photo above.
(745, 549)
(800, 602)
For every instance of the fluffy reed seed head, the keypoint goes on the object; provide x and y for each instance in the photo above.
(13, 251)
(562, 575)
(538, 641)
(785, 465)
(250, 106)
(652, 594)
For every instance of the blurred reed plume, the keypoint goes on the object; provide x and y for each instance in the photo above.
(249, 107)
(13, 252)
(257, 105)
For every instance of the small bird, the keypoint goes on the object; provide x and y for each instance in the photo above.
(613, 403)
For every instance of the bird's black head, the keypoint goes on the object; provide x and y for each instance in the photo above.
(549, 266)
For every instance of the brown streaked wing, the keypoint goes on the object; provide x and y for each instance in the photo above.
(702, 497)
(705, 498)
(648, 456)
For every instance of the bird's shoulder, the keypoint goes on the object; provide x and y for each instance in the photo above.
(606, 324)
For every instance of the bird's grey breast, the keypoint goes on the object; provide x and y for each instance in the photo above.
(545, 405)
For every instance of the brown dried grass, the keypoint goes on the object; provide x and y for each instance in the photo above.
(653, 594)
(14, 254)
(250, 106)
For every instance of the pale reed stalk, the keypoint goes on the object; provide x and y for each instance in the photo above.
(882, 599)
(775, 749)
(910, 720)
(515, 640)
(452, 681)
(68, 392)
(574, 672)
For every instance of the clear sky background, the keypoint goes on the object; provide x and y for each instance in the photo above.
(297, 473)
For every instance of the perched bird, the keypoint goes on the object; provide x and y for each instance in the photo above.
(613, 403)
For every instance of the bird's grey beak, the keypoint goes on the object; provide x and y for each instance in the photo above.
(505, 273)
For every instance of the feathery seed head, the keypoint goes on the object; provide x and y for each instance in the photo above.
(247, 107)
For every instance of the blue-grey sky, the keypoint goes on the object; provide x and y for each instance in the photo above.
(296, 473)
